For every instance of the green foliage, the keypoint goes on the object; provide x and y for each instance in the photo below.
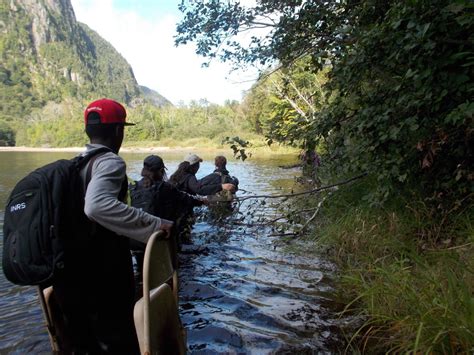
(7, 135)
(16, 81)
(199, 119)
(55, 125)
(411, 273)
(403, 106)
(398, 101)
(61, 124)
(287, 30)
(285, 104)
(238, 146)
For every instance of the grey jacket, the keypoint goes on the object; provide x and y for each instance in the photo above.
(101, 203)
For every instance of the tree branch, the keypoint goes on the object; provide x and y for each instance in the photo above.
(261, 24)
(274, 219)
(318, 207)
(305, 192)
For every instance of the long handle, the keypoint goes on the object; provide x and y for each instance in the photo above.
(49, 324)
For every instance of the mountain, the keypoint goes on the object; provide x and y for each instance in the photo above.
(47, 56)
(154, 98)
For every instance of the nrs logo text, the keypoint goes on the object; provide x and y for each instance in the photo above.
(18, 206)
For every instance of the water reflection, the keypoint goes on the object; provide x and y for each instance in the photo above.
(239, 293)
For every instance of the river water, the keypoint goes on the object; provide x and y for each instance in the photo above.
(241, 290)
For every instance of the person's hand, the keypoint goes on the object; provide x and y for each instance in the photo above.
(166, 226)
(204, 200)
(228, 187)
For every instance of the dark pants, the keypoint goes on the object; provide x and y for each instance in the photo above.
(96, 297)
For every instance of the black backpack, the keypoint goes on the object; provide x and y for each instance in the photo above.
(144, 197)
(43, 215)
(224, 195)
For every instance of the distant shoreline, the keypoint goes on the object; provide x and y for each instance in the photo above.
(157, 149)
(81, 149)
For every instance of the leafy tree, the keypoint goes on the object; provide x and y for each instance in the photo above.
(286, 30)
(284, 104)
(7, 135)
(61, 124)
(400, 80)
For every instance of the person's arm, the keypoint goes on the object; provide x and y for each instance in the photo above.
(195, 186)
(213, 183)
(233, 180)
(103, 206)
(184, 199)
(210, 179)
(171, 203)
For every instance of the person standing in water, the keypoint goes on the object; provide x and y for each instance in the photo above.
(160, 198)
(96, 296)
(220, 174)
(185, 179)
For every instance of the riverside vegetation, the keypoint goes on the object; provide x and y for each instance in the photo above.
(381, 88)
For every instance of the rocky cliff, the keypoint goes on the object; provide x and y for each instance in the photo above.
(46, 55)
(154, 98)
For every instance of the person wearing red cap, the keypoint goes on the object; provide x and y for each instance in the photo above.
(97, 296)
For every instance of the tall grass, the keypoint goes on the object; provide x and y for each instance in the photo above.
(407, 270)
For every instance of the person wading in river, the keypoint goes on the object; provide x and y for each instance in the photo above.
(221, 175)
(159, 198)
(184, 178)
(96, 296)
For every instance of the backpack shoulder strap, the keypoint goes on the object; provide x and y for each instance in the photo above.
(82, 159)
(153, 192)
(156, 188)
(89, 169)
(89, 159)
(221, 175)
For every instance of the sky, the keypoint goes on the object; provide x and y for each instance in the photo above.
(142, 32)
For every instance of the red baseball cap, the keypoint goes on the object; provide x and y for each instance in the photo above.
(109, 111)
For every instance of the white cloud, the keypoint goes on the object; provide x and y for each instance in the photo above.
(175, 72)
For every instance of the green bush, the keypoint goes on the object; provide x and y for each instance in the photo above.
(7, 135)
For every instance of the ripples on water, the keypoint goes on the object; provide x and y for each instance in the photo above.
(243, 295)
(240, 292)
